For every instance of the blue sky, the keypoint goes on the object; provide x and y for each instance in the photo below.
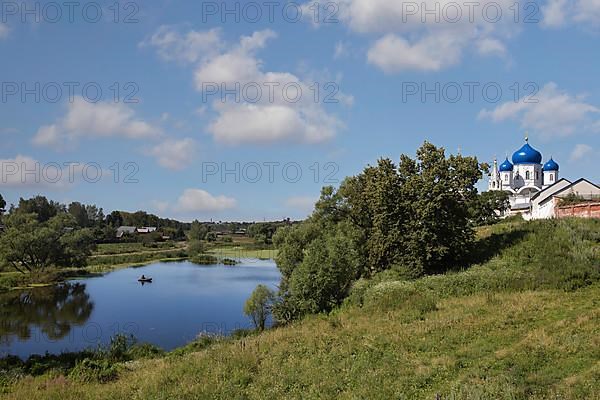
(374, 57)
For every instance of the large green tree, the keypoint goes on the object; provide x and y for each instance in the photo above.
(413, 217)
(31, 246)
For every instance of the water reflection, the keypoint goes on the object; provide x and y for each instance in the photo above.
(52, 310)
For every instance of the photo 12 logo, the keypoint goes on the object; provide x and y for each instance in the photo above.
(271, 92)
(26, 172)
(53, 12)
(55, 92)
(252, 12)
(470, 92)
(269, 172)
(453, 12)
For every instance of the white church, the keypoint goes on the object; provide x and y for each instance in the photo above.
(535, 188)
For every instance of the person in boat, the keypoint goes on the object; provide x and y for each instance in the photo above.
(142, 278)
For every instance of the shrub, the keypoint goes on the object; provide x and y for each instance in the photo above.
(258, 306)
(90, 370)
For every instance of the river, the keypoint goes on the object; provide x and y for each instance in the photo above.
(183, 300)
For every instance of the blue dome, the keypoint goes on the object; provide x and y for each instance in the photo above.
(527, 155)
(551, 165)
(506, 166)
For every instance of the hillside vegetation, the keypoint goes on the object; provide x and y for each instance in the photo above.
(521, 322)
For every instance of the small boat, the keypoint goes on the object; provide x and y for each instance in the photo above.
(145, 280)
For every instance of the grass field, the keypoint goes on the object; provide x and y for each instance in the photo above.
(243, 252)
(523, 322)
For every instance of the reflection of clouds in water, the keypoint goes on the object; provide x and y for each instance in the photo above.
(53, 310)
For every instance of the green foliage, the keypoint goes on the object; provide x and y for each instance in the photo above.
(204, 259)
(486, 208)
(88, 366)
(258, 306)
(29, 245)
(197, 231)
(41, 207)
(196, 247)
(211, 236)
(548, 254)
(263, 232)
(413, 218)
(574, 198)
(324, 277)
(86, 215)
(90, 370)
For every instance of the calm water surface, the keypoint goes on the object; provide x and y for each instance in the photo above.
(183, 300)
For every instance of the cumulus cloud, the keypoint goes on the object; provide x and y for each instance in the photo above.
(558, 13)
(198, 200)
(393, 53)
(185, 48)
(581, 151)
(251, 123)
(174, 154)
(102, 119)
(4, 31)
(430, 35)
(268, 106)
(550, 112)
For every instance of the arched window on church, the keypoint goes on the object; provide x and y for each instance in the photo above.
(505, 177)
(537, 175)
(526, 174)
(551, 177)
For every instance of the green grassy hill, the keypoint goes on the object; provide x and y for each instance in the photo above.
(522, 322)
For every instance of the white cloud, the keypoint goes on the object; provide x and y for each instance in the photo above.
(185, 48)
(558, 13)
(4, 31)
(412, 37)
(554, 13)
(489, 46)
(550, 112)
(238, 65)
(393, 53)
(102, 119)
(277, 114)
(581, 151)
(252, 123)
(174, 154)
(197, 200)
